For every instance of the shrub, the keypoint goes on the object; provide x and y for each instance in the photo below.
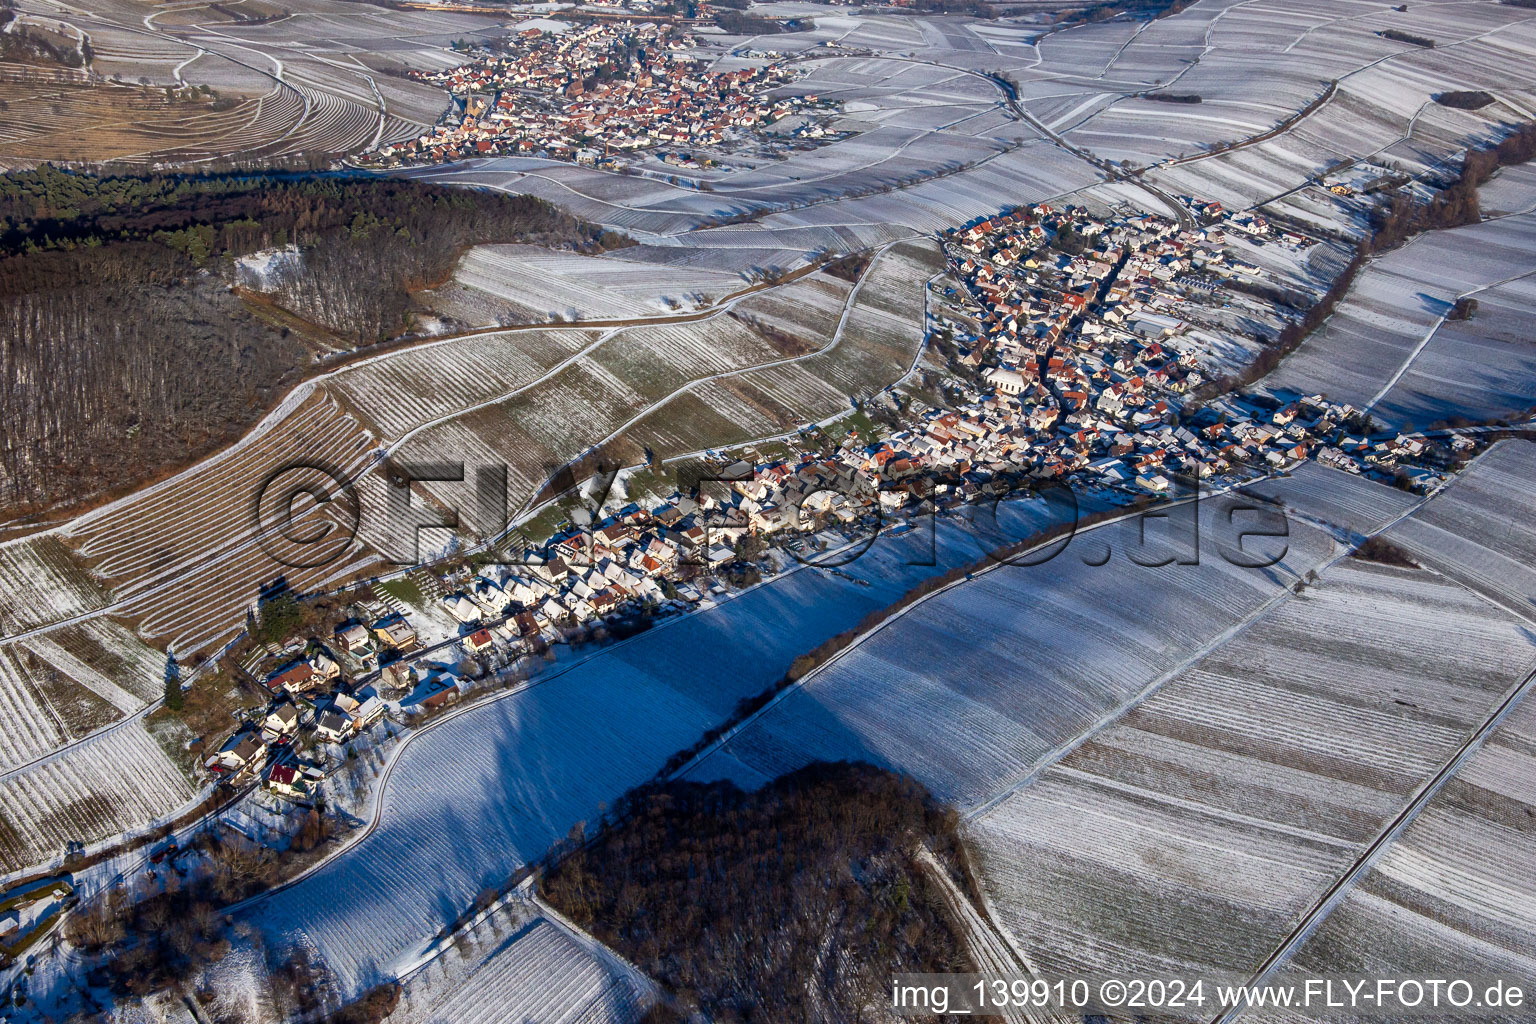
(1474, 99)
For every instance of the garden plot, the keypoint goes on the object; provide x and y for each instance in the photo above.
(522, 969)
(116, 782)
(1187, 837)
(1480, 530)
(1016, 662)
(41, 582)
(1453, 895)
(1395, 310)
(536, 284)
(490, 788)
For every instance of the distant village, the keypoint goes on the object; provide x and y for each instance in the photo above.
(593, 93)
(1073, 352)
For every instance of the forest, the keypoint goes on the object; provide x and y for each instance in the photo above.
(126, 346)
(794, 902)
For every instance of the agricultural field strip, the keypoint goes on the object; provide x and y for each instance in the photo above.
(539, 972)
(849, 304)
(30, 715)
(150, 31)
(32, 727)
(1448, 768)
(531, 787)
(1115, 715)
(826, 403)
(1397, 304)
(1263, 719)
(115, 782)
(40, 582)
(210, 516)
(1389, 836)
(51, 651)
(1286, 171)
(1454, 891)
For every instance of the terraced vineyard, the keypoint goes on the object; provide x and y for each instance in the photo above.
(676, 387)
(184, 557)
(528, 968)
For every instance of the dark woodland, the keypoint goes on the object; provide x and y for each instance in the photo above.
(792, 903)
(127, 347)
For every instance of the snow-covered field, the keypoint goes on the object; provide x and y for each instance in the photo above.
(491, 787)
(1010, 665)
(537, 285)
(514, 964)
(1188, 836)
(1330, 496)
(183, 557)
(1479, 530)
(1455, 892)
(1388, 342)
(116, 782)
(40, 582)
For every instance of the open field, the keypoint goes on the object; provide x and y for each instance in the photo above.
(1351, 504)
(1478, 531)
(523, 283)
(1389, 348)
(521, 967)
(1453, 893)
(1189, 836)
